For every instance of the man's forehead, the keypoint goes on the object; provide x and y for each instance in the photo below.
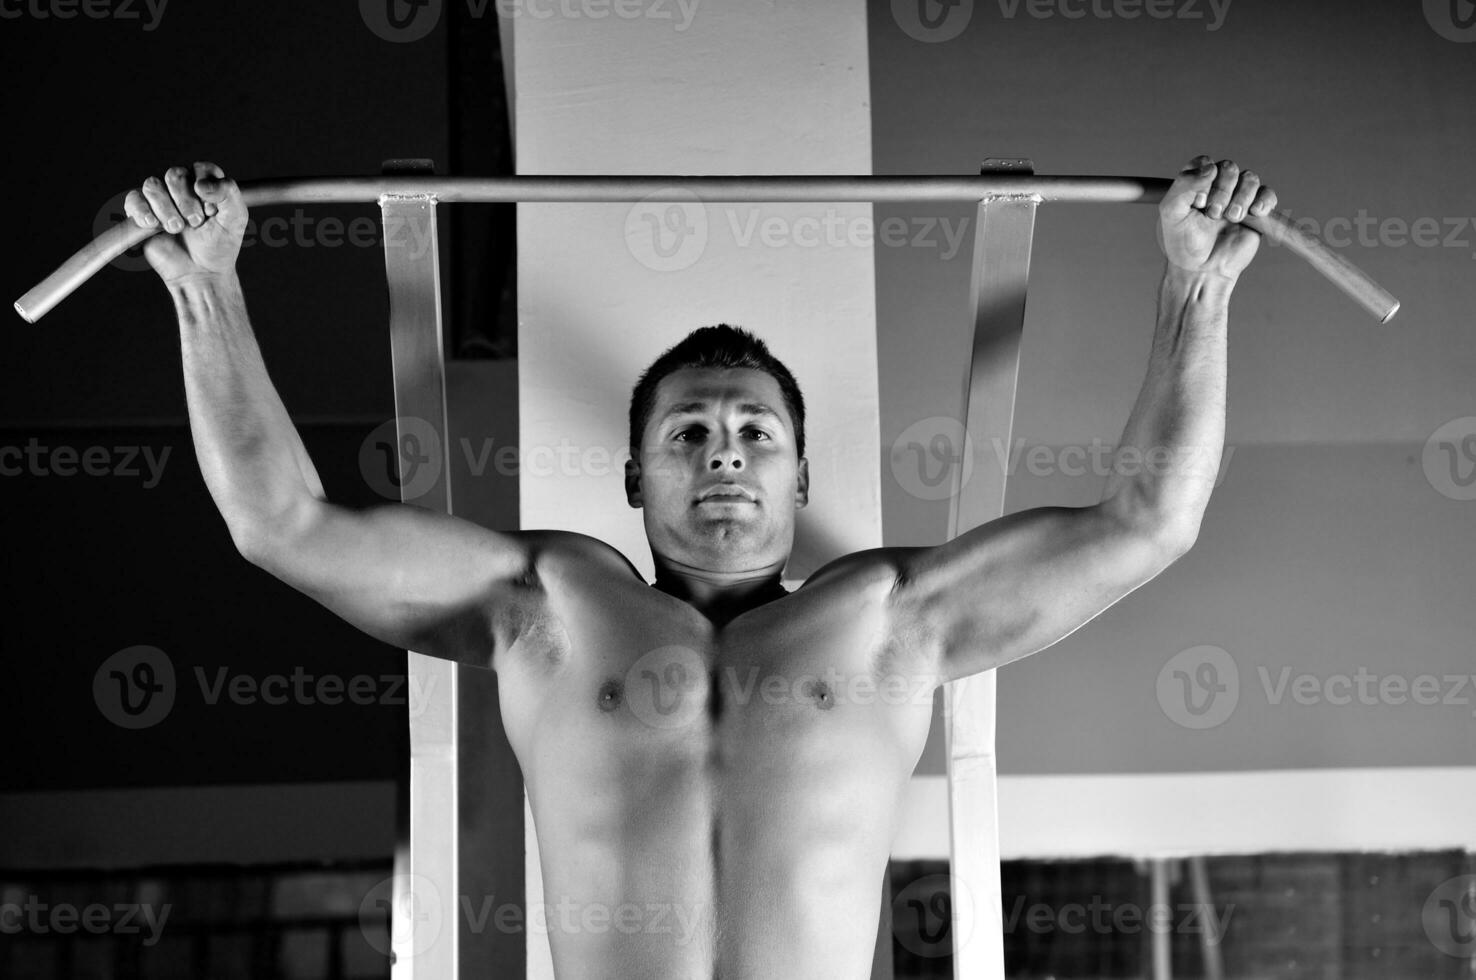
(693, 389)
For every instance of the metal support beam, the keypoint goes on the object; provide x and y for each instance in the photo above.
(437, 865)
(1003, 235)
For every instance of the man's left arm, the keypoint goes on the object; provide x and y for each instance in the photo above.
(1019, 584)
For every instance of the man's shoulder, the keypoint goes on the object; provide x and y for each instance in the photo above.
(873, 568)
(549, 546)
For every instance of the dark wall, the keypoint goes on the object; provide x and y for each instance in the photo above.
(100, 563)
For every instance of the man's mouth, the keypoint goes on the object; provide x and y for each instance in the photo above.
(726, 493)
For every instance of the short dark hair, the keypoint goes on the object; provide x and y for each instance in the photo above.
(720, 346)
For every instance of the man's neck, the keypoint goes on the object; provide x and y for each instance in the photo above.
(720, 596)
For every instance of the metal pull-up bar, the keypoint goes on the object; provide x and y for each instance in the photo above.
(1276, 226)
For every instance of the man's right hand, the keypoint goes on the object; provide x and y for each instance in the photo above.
(205, 220)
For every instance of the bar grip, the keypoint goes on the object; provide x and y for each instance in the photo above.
(1277, 227)
(80, 267)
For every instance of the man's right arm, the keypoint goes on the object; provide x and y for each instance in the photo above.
(413, 578)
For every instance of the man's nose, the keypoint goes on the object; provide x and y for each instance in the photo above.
(725, 456)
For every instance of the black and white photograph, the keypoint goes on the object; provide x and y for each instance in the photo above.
(739, 490)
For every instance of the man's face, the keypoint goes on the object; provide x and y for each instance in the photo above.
(718, 477)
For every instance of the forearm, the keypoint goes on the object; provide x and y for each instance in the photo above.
(250, 454)
(1166, 462)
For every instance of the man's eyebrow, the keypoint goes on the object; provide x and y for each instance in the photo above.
(747, 408)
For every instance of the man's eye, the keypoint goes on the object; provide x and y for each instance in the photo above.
(694, 430)
(758, 432)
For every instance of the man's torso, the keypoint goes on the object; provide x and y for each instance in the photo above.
(711, 801)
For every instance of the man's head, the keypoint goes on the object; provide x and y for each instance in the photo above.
(718, 409)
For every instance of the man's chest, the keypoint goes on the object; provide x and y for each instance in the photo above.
(630, 675)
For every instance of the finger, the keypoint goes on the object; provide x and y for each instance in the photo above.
(1189, 187)
(177, 179)
(1265, 202)
(137, 208)
(1224, 186)
(158, 197)
(1245, 193)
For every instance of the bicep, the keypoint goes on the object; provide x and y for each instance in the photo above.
(1019, 584)
(413, 578)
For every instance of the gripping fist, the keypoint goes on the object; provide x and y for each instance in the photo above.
(205, 219)
(1200, 217)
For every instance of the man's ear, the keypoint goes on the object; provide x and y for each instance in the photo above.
(802, 489)
(633, 483)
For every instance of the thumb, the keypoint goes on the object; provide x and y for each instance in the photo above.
(1184, 194)
(216, 191)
